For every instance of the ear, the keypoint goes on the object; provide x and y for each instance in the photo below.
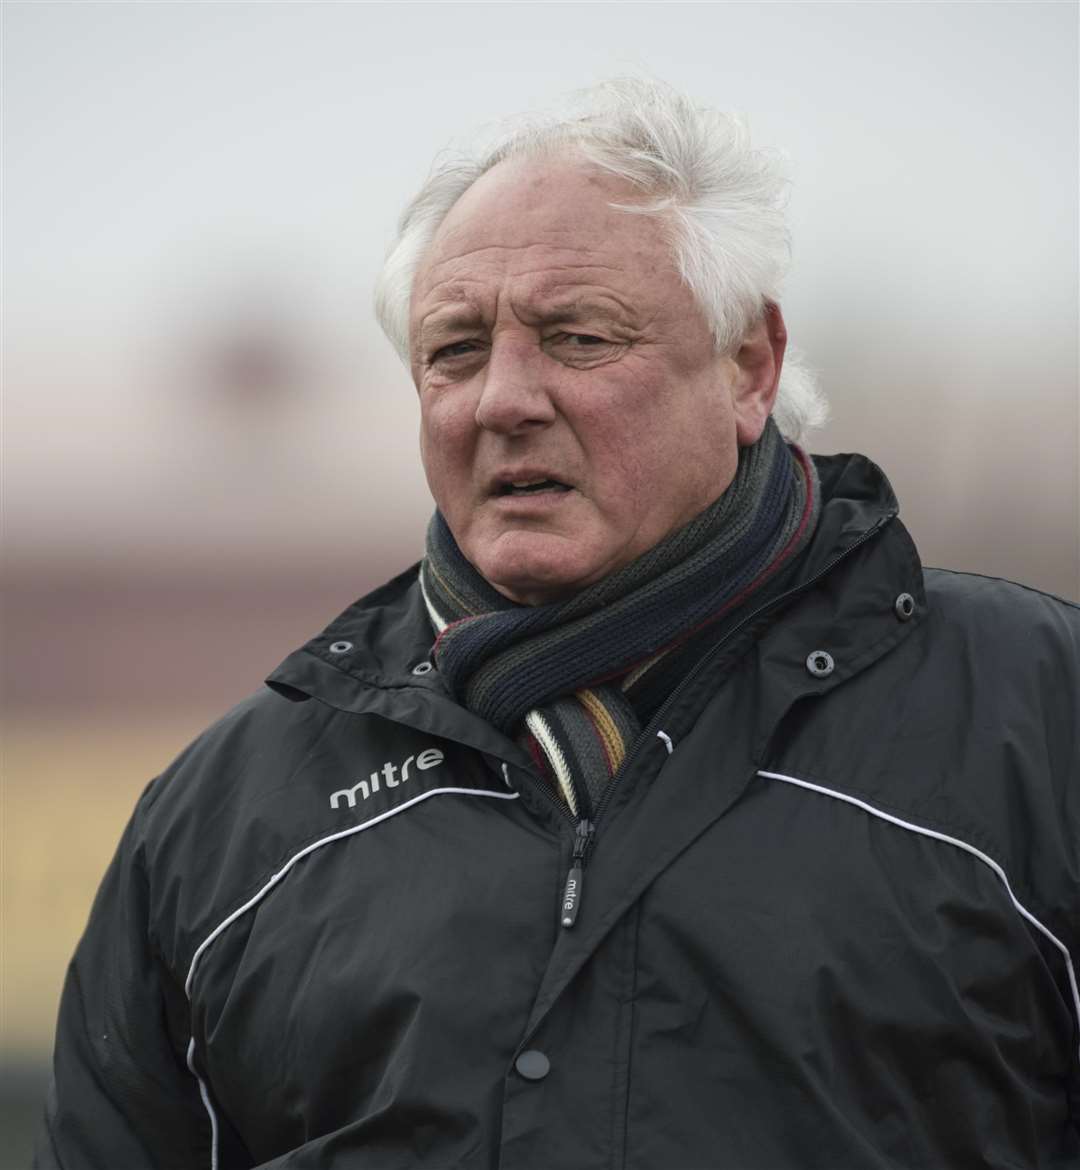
(759, 360)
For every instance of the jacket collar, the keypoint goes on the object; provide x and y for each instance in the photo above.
(375, 657)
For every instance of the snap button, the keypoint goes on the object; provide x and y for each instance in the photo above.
(533, 1065)
(422, 668)
(340, 647)
(820, 663)
(904, 606)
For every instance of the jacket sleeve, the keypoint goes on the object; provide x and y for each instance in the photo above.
(122, 1095)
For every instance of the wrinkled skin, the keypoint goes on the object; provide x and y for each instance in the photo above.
(553, 340)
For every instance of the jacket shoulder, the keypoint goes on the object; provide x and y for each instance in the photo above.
(962, 583)
(999, 671)
(1007, 617)
(1010, 656)
(225, 814)
(254, 738)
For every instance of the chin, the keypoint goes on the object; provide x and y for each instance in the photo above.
(533, 576)
(533, 589)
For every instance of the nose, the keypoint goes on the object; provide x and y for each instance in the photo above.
(516, 397)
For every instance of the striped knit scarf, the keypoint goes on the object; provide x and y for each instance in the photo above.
(562, 677)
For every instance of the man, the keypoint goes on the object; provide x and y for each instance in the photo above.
(669, 817)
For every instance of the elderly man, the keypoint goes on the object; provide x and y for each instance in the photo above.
(669, 817)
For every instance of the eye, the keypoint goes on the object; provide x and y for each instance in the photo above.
(581, 349)
(453, 350)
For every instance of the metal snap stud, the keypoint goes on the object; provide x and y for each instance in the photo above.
(820, 663)
(533, 1065)
(340, 647)
(422, 668)
(904, 607)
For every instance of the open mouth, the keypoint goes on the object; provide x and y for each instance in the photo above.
(532, 487)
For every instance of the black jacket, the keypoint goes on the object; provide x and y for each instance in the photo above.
(830, 917)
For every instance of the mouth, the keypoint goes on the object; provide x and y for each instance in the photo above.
(530, 487)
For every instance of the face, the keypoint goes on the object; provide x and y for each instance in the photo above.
(574, 410)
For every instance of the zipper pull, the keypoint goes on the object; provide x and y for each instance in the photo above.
(572, 894)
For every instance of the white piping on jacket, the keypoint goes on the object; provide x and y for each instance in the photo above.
(921, 829)
(255, 899)
(206, 1104)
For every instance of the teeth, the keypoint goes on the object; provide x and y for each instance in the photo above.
(532, 486)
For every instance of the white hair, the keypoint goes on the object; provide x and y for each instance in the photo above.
(722, 199)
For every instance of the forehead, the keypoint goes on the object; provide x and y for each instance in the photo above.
(547, 226)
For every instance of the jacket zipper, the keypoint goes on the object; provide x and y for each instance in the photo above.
(572, 891)
(584, 828)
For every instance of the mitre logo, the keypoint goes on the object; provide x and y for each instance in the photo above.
(390, 774)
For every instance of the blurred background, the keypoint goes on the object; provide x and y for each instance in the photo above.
(209, 449)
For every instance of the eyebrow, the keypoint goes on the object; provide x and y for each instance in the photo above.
(578, 308)
(445, 320)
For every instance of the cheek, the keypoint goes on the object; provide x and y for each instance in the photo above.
(660, 453)
(447, 428)
(630, 440)
(447, 451)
